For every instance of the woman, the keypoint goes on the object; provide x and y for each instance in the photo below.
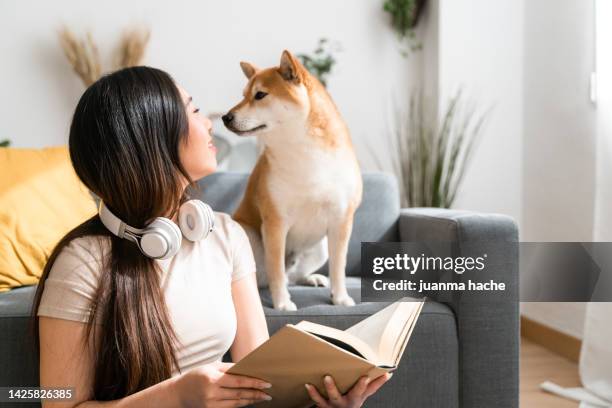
(120, 326)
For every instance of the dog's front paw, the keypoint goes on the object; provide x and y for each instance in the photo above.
(282, 300)
(286, 305)
(316, 279)
(343, 300)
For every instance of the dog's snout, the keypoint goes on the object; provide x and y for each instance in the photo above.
(228, 118)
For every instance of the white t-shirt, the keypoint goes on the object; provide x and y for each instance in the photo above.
(196, 283)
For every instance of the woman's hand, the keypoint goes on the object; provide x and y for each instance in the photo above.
(354, 398)
(210, 386)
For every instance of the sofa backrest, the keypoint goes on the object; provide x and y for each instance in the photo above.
(375, 220)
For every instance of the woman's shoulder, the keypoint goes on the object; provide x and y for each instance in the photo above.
(81, 258)
(229, 231)
(224, 223)
(89, 247)
(71, 286)
(236, 244)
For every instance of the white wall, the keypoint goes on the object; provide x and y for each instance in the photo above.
(524, 59)
(481, 50)
(560, 121)
(559, 152)
(200, 43)
(528, 61)
(565, 317)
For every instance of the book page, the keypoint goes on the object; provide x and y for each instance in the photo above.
(397, 331)
(401, 344)
(387, 331)
(372, 328)
(324, 331)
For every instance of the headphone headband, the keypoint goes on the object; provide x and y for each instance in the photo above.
(111, 221)
(161, 239)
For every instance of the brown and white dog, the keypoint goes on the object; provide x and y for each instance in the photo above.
(303, 192)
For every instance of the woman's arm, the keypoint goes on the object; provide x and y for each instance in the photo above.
(65, 362)
(252, 329)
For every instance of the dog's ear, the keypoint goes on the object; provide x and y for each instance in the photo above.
(248, 69)
(289, 67)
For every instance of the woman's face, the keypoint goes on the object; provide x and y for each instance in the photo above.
(197, 153)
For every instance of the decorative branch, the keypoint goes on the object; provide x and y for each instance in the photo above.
(132, 47)
(82, 54)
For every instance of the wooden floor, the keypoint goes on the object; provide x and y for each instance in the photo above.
(537, 365)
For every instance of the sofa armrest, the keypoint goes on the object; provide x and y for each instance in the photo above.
(487, 330)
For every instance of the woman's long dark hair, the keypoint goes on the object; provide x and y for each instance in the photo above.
(124, 144)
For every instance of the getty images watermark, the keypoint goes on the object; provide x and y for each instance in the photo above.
(413, 264)
(487, 271)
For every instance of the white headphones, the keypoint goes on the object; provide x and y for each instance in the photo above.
(161, 239)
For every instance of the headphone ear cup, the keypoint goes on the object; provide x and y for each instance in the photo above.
(161, 239)
(196, 220)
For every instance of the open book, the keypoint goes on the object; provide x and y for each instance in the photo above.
(305, 352)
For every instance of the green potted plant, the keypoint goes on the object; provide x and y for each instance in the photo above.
(430, 160)
(321, 61)
(404, 18)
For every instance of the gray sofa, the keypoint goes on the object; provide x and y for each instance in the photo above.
(461, 354)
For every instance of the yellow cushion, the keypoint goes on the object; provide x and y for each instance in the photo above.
(41, 199)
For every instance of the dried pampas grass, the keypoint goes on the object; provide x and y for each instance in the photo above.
(83, 55)
(132, 47)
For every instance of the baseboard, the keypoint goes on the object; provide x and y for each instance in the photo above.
(551, 339)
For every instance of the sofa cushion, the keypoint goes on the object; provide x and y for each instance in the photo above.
(305, 296)
(428, 373)
(375, 219)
